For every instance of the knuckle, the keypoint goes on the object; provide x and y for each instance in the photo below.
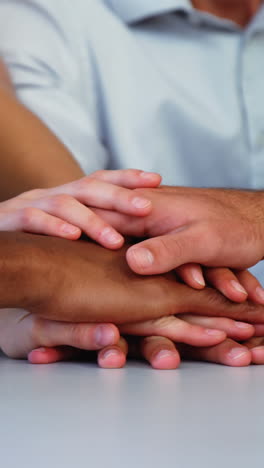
(163, 323)
(98, 174)
(216, 301)
(228, 322)
(168, 248)
(152, 345)
(97, 224)
(79, 335)
(61, 200)
(122, 193)
(28, 216)
(155, 342)
(84, 182)
(143, 192)
(86, 185)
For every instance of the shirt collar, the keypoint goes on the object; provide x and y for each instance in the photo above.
(258, 22)
(131, 11)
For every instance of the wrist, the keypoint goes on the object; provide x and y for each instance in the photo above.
(257, 215)
(22, 271)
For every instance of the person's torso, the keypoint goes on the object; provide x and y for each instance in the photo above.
(180, 93)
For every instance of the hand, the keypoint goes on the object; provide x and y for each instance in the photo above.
(251, 350)
(63, 211)
(80, 275)
(238, 286)
(256, 345)
(80, 281)
(191, 225)
(239, 349)
(86, 282)
(157, 346)
(22, 332)
(212, 227)
(164, 353)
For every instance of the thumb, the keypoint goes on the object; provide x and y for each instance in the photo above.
(165, 253)
(77, 335)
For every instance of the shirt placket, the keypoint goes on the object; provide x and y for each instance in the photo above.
(252, 87)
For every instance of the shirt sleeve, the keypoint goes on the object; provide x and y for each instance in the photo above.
(39, 44)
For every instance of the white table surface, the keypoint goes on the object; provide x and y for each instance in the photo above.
(75, 415)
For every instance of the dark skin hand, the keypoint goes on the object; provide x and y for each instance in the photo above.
(80, 281)
(61, 282)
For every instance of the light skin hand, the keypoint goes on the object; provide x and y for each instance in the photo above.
(163, 353)
(47, 212)
(213, 227)
(256, 346)
(64, 211)
(238, 286)
(157, 344)
(247, 350)
(20, 332)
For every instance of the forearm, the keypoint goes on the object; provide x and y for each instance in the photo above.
(21, 271)
(5, 80)
(30, 155)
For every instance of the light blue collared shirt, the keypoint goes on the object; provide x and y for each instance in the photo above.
(152, 84)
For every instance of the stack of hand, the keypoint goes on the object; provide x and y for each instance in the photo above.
(183, 291)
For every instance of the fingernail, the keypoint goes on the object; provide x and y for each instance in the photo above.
(111, 236)
(213, 332)
(104, 336)
(236, 353)
(164, 354)
(68, 229)
(260, 293)
(198, 277)
(238, 287)
(40, 350)
(110, 353)
(142, 257)
(242, 325)
(147, 175)
(141, 203)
